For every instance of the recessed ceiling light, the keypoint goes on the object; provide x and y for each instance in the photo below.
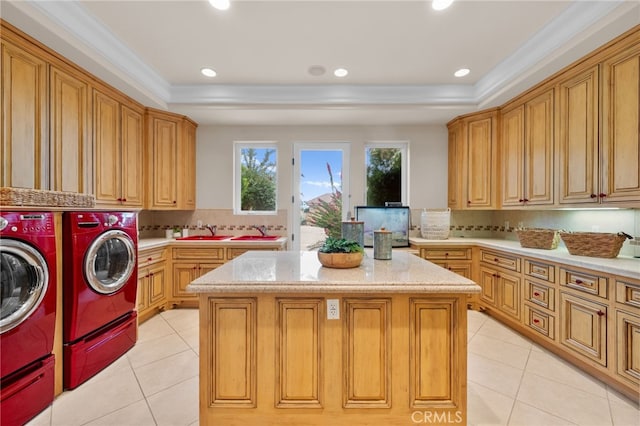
(208, 72)
(461, 72)
(220, 4)
(340, 72)
(441, 4)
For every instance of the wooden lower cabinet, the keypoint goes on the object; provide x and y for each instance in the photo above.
(152, 282)
(389, 359)
(502, 290)
(183, 274)
(583, 327)
(628, 347)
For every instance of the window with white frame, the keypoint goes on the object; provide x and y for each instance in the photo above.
(386, 173)
(255, 177)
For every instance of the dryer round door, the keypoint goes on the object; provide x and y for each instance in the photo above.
(110, 261)
(24, 279)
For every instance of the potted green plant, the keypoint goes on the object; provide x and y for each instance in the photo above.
(340, 253)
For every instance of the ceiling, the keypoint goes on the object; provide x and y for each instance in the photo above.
(401, 54)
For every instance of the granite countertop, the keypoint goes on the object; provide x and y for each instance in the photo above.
(148, 243)
(622, 265)
(301, 272)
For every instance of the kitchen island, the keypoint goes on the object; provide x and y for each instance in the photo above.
(286, 341)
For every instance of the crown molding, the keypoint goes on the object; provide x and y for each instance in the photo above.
(578, 22)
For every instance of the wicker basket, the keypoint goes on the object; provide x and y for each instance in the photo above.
(594, 244)
(17, 197)
(538, 238)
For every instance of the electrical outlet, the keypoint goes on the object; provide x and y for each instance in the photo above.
(506, 224)
(199, 224)
(333, 309)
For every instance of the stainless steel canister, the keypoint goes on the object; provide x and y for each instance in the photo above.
(382, 244)
(353, 230)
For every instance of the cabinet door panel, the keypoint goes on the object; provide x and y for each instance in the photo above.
(132, 144)
(488, 290)
(578, 138)
(163, 135)
(24, 148)
(621, 121)
(456, 165)
(512, 157)
(509, 294)
(106, 139)
(69, 133)
(539, 144)
(628, 349)
(157, 283)
(480, 162)
(584, 327)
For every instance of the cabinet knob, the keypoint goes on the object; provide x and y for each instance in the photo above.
(526, 200)
(593, 196)
(149, 259)
(151, 274)
(521, 200)
(600, 313)
(495, 259)
(579, 281)
(124, 200)
(602, 195)
(175, 202)
(536, 320)
(536, 294)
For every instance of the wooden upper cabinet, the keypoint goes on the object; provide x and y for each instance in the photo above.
(539, 154)
(455, 165)
(70, 145)
(578, 111)
(162, 138)
(24, 151)
(527, 152)
(512, 156)
(188, 165)
(620, 145)
(171, 166)
(118, 132)
(480, 160)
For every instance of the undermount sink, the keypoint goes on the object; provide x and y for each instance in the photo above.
(205, 238)
(256, 238)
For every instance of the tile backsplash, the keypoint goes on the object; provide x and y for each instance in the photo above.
(464, 223)
(503, 223)
(152, 224)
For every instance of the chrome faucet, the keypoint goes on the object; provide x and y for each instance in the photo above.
(212, 229)
(261, 228)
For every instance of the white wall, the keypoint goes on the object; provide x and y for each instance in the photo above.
(427, 159)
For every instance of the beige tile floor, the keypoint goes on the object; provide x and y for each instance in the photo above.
(511, 382)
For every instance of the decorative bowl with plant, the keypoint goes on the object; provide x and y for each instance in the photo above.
(340, 253)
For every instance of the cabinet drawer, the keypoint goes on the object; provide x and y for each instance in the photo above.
(453, 253)
(539, 321)
(499, 259)
(151, 256)
(584, 281)
(539, 294)
(209, 253)
(628, 293)
(540, 270)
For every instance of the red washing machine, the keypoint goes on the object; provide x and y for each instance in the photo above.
(27, 314)
(100, 285)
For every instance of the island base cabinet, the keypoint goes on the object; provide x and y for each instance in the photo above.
(387, 360)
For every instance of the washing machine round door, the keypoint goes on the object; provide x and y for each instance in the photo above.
(24, 278)
(110, 261)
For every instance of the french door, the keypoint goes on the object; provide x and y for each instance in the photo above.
(320, 191)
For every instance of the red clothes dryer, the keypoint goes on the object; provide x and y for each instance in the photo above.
(100, 286)
(27, 314)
